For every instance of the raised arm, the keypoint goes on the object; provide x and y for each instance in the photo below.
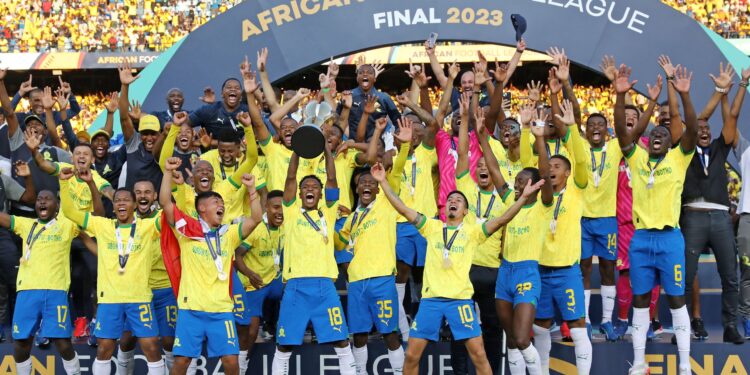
(96, 196)
(622, 85)
(290, 185)
(437, 68)
(367, 110)
(734, 112)
(126, 78)
(331, 182)
(259, 126)
(426, 117)
(563, 75)
(32, 142)
(165, 192)
(8, 108)
(543, 164)
(167, 149)
(492, 225)
(462, 165)
(66, 204)
(288, 106)
(256, 211)
(372, 146)
(675, 122)
(378, 172)
(489, 158)
(251, 151)
(404, 135)
(444, 106)
(48, 102)
(268, 92)
(681, 84)
(526, 115)
(723, 84)
(29, 194)
(496, 101)
(580, 170)
(513, 63)
(111, 107)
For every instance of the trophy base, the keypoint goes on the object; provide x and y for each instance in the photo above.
(308, 141)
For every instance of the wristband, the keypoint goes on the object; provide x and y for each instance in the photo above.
(670, 78)
(478, 92)
(325, 90)
(744, 84)
(519, 50)
(720, 90)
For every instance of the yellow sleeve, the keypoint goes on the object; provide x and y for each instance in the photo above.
(465, 184)
(394, 176)
(179, 195)
(574, 144)
(20, 226)
(427, 226)
(251, 158)
(342, 239)
(60, 166)
(68, 207)
(526, 151)
(167, 150)
(100, 182)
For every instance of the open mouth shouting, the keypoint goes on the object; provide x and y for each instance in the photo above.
(596, 136)
(232, 99)
(367, 194)
(144, 205)
(309, 198)
(183, 142)
(656, 144)
(365, 83)
(204, 183)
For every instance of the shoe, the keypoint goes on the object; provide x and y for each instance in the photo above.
(731, 335)
(565, 332)
(657, 327)
(699, 330)
(81, 326)
(746, 325)
(621, 327)
(92, 337)
(39, 341)
(641, 369)
(650, 333)
(609, 332)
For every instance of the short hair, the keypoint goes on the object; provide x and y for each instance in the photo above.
(363, 66)
(466, 201)
(228, 80)
(228, 135)
(534, 172)
(174, 89)
(565, 160)
(52, 193)
(302, 181)
(599, 115)
(122, 189)
(664, 103)
(85, 144)
(361, 172)
(274, 194)
(634, 108)
(206, 195)
(337, 127)
(144, 181)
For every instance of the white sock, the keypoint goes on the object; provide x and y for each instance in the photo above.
(531, 357)
(641, 323)
(583, 349)
(243, 361)
(125, 364)
(280, 365)
(609, 294)
(101, 367)
(360, 358)
(346, 361)
(156, 368)
(24, 368)
(403, 323)
(516, 363)
(681, 326)
(72, 367)
(396, 357)
(168, 360)
(193, 367)
(586, 302)
(543, 344)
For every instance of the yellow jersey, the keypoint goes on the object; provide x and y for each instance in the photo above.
(231, 192)
(200, 287)
(132, 285)
(529, 157)
(80, 193)
(277, 159)
(600, 199)
(657, 206)
(221, 172)
(483, 205)
(309, 252)
(345, 163)
(259, 171)
(563, 247)
(370, 232)
(508, 168)
(264, 245)
(417, 190)
(159, 278)
(525, 234)
(47, 264)
(452, 282)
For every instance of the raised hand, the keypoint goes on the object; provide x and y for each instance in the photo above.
(344, 146)
(85, 175)
(180, 118)
(554, 84)
(325, 81)
(47, 100)
(303, 92)
(568, 117)
(500, 73)
(531, 189)
(65, 174)
(62, 98)
(32, 139)
(126, 74)
(346, 99)
(682, 80)
(370, 104)
(655, 90)
(249, 181)
(535, 90)
(172, 164)
(479, 119)
(65, 86)
(209, 96)
(463, 103)
(746, 74)
(482, 61)
(204, 138)
(333, 69)
(666, 64)
(427, 49)
(378, 67)
(22, 168)
(26, 87)
(480, 76)
(134, 109)
(378, 172)
(249, 80)
(381, 123)
(526, 113)
(453, 70)
(178, 178)
(403, 99)
(114, 98)
(563, 69)
(623, 84)
(556, 54)
(521, 45)
(245, 120)
(724, 80)
(404, 130)
(360, 61)
(608, 67)
(262, 59)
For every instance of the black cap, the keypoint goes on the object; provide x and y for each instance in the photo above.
(519, 24)
(32, 117)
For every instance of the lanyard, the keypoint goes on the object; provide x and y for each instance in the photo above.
(557, 148)
(224, 173)
(214, 249)
(652, 170)
(482, 218)
(354, 221)
(123, 256)
(277, 252)
(322, 229)
(229, 117)
(413, 185)
(598, 171)
(448, 244)
(703, 154)
(31, 238)
(553, 223)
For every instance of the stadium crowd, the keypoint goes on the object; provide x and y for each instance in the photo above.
(206, 224)
(155, 25)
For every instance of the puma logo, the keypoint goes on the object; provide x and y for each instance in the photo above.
(338, 329)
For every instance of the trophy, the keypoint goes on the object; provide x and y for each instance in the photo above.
(308, 140)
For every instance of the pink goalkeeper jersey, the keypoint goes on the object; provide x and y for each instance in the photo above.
(446, 147)
(625, 192)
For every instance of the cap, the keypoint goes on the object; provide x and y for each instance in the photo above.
(519, 24)
(30, 118)
(149, 123)
(84, 135)
(100, 132)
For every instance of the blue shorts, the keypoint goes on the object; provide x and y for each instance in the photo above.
(48, 308)
(217, 328)
(255, 298)
(657, 257)
(459, 314)
(373, 300)
(561, 287)
(346, 255)
(518, 282)
(113, 318)
(599, 237)
(165, 307)
(411, 247)
(241, 312)
(311, 299)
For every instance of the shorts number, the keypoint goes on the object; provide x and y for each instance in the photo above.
(239, 305)
(171, 314)
(678, 273)
(466, 313)
(145, 313)
(334, 316)
(62, 313)
(229, 325)
(386, 311)
(612, 241)
(571, 297)
(523, 288)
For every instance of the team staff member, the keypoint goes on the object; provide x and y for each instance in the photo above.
(123, 292)
(207, 253)
(657, 248)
